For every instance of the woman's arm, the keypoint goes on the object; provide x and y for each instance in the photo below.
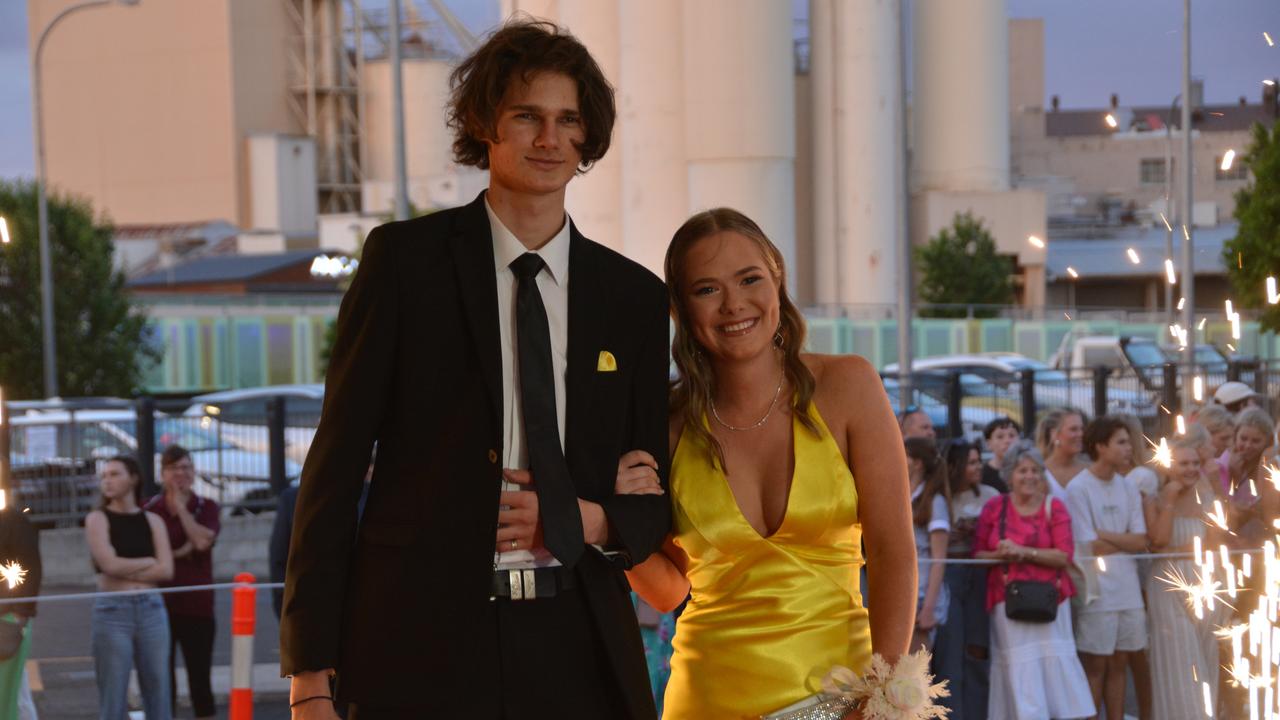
(1159, 510)
(104, 554)
(660, 579)
(879, 466)
(938, 552)
(162, 569)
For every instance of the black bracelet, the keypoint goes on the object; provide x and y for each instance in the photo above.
(307, 700)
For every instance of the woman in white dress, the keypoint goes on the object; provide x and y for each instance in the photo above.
(1035, 673)
(1060, 438)
(1184, 649)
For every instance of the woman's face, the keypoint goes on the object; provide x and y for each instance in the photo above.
(1250, 442)
(1070, 435)
(1001, 439)
(1027, 479)
(1186, 465)
(731, 298)
(973, 469)
(115, 480)
(1222, 439)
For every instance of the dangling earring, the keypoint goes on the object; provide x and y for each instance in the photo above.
(778, 339)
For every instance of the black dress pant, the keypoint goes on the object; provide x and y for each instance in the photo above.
(551, 664)
(195, 636)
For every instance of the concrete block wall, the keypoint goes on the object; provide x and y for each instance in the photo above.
(242, 547)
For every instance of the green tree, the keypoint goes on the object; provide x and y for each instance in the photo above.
(103, 342)
(1254, 253)
(960, 266)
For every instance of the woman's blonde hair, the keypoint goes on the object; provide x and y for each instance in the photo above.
(1049, 425)
(1138, 439)
(1196, 437)
(1214, 418)
(694, 386)
(1258, 419)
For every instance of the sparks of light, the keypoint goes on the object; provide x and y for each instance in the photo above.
(1268, 82)
(1111, 121)
(1228, 157)
(1163, 455)
(1273, 474)
(1133, 256)
(1174, 329)
(1102, 564)
(1200, 325)
(1197, 550)
(1273, 297)
(1168, 271)
(1208, 698)
(1165, 220)
(1265, 36)
(1231, 347)
(1182, 425)
(4, 501)
(1072, 272)
(4, 231)
(1182, 302)
(1218, 517)
(1035, 241)
(1197, 388)
(1186, 234)
(1235, 326)
(13, 573)
(1230, 309)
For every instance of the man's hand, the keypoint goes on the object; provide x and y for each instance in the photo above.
(520, 526)
(637, 475)
(172, 501)
(311, 684)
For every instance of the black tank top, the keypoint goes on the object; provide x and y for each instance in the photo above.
(130, 535)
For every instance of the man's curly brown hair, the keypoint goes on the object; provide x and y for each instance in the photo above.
(523, 48)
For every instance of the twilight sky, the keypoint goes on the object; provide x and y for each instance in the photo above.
(1092, 47)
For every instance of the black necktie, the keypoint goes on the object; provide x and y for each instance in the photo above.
(557, 498)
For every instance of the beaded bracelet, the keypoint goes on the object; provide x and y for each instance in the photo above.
(306, 700)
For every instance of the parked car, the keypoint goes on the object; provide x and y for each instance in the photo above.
(239, 479)
(929, 392)
(1053, 388)
(242, 416)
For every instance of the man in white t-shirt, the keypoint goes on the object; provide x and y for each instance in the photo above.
(1106, 511)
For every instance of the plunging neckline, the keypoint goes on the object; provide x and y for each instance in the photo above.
(791, 487)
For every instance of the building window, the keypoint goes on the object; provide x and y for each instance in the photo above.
(1238, 171)
(1151, 171)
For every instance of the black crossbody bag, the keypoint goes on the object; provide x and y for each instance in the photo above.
(1034, 601)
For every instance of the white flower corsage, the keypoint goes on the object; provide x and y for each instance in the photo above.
(904, 691)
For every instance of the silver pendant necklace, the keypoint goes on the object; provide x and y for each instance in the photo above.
(776, 394)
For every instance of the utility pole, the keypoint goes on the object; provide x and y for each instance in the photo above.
(1188, 219)
(904, 230)
(397, 116)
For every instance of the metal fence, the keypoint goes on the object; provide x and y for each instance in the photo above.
(962, 400)
(242, 461)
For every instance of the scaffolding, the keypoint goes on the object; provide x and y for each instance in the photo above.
(328, 50)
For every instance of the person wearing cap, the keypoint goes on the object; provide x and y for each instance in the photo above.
(1236, 396)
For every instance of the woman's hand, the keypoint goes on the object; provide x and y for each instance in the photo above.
(927, 618)
(637, 475)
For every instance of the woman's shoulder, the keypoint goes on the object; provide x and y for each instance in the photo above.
(154, 520)
(842, 381)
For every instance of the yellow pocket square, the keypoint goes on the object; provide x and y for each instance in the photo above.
(606, 363)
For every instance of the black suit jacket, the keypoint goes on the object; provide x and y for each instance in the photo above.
(400, 608)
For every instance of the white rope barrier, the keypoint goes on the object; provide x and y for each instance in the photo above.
(1089, 558)
(140, 591)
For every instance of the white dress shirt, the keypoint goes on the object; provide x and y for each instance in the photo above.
(553, 285)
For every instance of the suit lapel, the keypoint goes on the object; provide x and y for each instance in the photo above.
(472, 247)
(587, 297)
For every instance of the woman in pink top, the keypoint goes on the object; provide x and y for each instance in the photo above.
(1035, 673)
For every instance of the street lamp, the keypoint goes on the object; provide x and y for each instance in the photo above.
(1170, 218)
(46, 268)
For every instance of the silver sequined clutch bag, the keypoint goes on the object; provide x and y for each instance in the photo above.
(814, 707)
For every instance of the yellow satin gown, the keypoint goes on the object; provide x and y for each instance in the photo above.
(768, 616)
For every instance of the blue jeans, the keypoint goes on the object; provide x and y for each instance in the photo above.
(131, 631)
(961, 654)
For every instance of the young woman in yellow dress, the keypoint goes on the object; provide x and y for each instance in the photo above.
(784, 466)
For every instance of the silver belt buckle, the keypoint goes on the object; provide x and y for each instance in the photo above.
(517, 587)
(530, 585)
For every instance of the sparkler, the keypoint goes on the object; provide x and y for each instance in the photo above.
(13, 573)
(1035, 241)
(1163, 455)
(1200, 325)
(1265, 36)
(1165, 220)
(1168, 271)
(1111, 121)
(1182, 302)
(1133, 256)
(1273, 297)
(1235, 326)
(1197, 389)
(1182, 425)
(1072, 272)
(1227, 158)
(1230, 312)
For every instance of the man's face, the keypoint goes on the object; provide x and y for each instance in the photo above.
(1001, 439)
(1118, 451)
(538, 130)
(918, 424)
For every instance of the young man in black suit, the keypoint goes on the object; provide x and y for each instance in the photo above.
(503, 363)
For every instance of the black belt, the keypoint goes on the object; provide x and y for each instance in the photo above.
(531, 584)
